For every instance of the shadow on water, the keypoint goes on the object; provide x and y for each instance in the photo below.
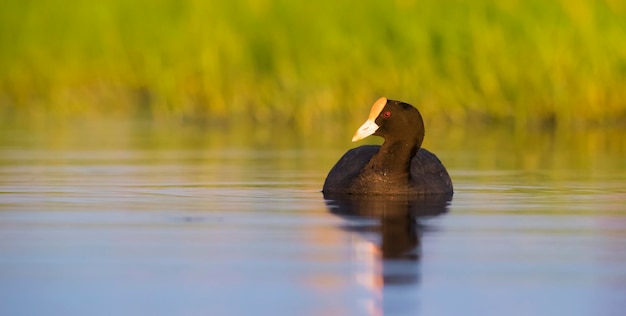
(397, 229)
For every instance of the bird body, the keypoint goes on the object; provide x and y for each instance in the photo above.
(398, 166)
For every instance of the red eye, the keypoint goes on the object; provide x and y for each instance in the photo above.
(387, 114)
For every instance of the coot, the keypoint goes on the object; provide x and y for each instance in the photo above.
(399, 166)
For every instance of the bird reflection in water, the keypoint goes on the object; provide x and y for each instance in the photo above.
(390, 227)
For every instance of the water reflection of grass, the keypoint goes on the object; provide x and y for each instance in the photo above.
(290, 62)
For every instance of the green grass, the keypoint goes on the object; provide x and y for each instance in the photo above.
(300, 63)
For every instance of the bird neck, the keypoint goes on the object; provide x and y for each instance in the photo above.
(393, 159)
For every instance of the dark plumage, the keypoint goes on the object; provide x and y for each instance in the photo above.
(399, 166)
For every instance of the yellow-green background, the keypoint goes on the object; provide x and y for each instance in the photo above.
(314, 64)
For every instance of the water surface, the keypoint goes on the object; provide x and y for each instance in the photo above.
(129, 218)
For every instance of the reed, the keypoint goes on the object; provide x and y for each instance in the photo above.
(312, 64)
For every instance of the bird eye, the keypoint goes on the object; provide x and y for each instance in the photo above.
(387, 114)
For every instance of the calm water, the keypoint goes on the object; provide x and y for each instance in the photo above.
(140, 219)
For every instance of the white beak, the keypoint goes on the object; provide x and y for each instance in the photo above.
(368, 128)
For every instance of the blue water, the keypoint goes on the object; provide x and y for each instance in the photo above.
(145, 225)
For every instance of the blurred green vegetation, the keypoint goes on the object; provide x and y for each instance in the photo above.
(314, 64)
